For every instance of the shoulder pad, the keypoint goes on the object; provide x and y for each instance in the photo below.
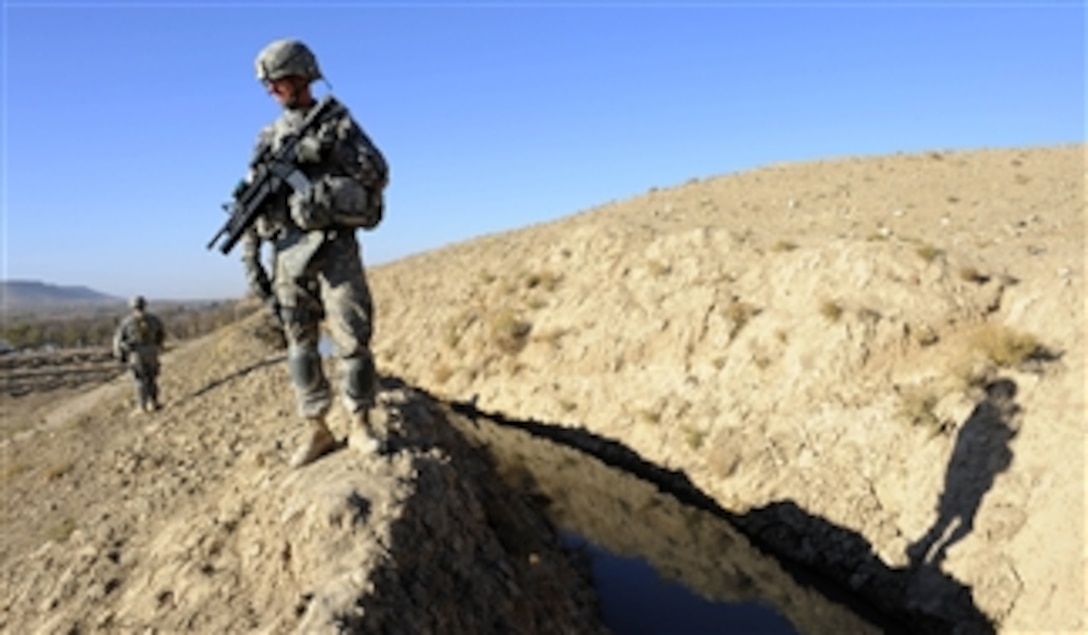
(264, 142)
(265, 136)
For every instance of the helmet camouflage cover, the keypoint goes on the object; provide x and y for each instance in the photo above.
(137, 302)
(284, 58)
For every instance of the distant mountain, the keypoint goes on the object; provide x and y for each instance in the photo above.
(30, 295)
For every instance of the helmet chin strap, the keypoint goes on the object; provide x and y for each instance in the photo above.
(294, 105)
(293, 102)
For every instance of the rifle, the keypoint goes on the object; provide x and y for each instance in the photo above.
(272, 171)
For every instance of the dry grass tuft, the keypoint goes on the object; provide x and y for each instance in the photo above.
(452, 336)
(971, 274)
(916, 406)
(649, 416)
(924, 335)
(509, 332)
(551, 337)
(927, 252)
(658, 268)
(58, 470)
(442, 373)
(831, 310)
(1006, 347)
(455, 329)
(740, 313)
(13, 470)
(694, 438)
(60, 532)
(545, 280)
(536, 303)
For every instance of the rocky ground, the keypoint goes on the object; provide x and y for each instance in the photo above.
(872, 366)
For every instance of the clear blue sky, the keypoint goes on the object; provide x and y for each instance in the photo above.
(125, 125)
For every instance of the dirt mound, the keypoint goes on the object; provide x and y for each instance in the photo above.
(189, 521)
(822, 337)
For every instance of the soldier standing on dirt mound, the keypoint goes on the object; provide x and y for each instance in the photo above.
(317, 270)
(137, 343)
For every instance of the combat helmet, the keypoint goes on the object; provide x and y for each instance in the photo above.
(283, 58)
(137, 302)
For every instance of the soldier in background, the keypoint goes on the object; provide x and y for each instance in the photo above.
(137, 343)
(317, 270)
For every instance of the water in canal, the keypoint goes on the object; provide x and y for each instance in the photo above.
(660, 567)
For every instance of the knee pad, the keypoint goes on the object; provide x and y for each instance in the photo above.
(304, 365)
(360, 378)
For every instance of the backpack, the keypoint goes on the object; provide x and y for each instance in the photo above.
(142, 332)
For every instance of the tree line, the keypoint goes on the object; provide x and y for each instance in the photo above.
(96, 328)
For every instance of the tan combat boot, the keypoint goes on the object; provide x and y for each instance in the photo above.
(317, 444)
(140, 409)
(364, 436)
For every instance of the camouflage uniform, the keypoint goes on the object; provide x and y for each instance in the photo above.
(316, 263)
(137, 342)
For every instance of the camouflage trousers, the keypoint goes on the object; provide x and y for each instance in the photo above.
(145, 375)
(328, 286)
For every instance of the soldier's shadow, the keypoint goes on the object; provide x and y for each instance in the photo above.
(238, 373)
(982, 451)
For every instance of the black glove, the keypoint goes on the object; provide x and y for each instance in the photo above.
(273, 307)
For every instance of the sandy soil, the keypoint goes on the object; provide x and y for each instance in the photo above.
(807, 342)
